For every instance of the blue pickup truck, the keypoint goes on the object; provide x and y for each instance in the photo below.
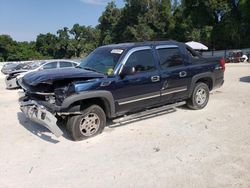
(119, 81)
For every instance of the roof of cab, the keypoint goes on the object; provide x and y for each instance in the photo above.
(138, 44)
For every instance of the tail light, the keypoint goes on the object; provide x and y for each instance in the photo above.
(222, 64)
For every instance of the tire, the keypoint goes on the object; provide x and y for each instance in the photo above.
(200, 96)
(89, 124)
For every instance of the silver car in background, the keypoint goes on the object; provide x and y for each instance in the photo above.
(12, 79)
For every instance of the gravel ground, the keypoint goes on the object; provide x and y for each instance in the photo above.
(186, 148)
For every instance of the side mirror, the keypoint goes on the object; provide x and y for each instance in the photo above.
(127, 70)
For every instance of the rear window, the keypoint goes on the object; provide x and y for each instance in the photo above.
(65, 64)
(51, 65)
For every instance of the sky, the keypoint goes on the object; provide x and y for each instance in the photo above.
(23, 20)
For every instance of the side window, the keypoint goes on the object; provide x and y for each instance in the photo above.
(169, 57)
(142, 61)
(51, 65)
(192, 53)
(63, 64)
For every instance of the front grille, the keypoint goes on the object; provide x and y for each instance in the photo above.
(36, 96)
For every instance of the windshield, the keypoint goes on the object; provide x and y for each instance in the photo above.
(102, 60)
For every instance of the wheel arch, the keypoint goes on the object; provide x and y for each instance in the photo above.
(207, 78)
(79, 101)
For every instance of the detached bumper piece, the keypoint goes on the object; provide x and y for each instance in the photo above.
(11, 83)
(39, 114)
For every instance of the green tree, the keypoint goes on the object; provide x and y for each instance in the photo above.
(64, 46)
(27, 51)
(11, 50)
(85, 39)
(205, 21)
(244, 8)
(108, 23)
(145, 20)
(228, 33)
(78, 43)
(220, 24)
(130, 16)
(7, 47)
(46, 45)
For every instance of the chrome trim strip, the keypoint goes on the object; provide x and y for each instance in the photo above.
(163, 93)
(174, 91)
(44, 94)
(68, 113)
(165, 46)
(135, 100)
(130, 52)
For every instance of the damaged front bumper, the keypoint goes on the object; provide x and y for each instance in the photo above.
(39, 114)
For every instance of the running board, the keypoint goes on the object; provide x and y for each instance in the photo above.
(148, 112)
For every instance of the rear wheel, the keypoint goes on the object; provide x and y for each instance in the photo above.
(200, 96)
(90, 123)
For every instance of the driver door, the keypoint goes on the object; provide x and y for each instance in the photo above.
(141, 89)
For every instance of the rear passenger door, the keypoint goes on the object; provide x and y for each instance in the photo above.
(175, 78)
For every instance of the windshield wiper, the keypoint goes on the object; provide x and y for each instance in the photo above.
(91, 69)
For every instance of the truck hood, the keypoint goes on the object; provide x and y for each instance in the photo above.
(50, 76)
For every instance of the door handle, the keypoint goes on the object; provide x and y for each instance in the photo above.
(183, 74)
(155, 78)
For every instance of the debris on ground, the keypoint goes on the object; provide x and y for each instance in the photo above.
(156, 149)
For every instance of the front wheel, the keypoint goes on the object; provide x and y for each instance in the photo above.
(200, 96)
(90, 123)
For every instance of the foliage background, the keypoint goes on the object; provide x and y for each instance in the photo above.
(219, 24)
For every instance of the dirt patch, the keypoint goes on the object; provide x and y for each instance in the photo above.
(186, 148)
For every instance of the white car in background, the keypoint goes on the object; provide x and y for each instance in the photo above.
(12, 79)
